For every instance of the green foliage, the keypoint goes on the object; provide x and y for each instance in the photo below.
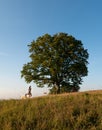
(56, 112)
(59, 59)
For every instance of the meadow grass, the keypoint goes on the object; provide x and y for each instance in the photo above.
(73, 111)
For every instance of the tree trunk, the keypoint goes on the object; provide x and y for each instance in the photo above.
(57, 87)
(58, 90)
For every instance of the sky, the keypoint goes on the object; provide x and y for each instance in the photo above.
(22, 21)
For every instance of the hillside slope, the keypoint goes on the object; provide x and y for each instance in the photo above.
(73, 111)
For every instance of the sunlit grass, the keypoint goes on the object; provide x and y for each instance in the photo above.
(73, 111)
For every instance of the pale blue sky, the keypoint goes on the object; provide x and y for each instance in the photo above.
(22, 21)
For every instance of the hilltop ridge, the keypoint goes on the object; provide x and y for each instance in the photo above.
(69, 111)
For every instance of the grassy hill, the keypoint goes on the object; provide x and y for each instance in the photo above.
(73, 111)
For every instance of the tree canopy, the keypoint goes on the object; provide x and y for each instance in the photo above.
(59, 60)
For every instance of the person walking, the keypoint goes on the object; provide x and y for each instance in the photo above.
(29, 92)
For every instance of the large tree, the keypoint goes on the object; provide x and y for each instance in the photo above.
(59, 60)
